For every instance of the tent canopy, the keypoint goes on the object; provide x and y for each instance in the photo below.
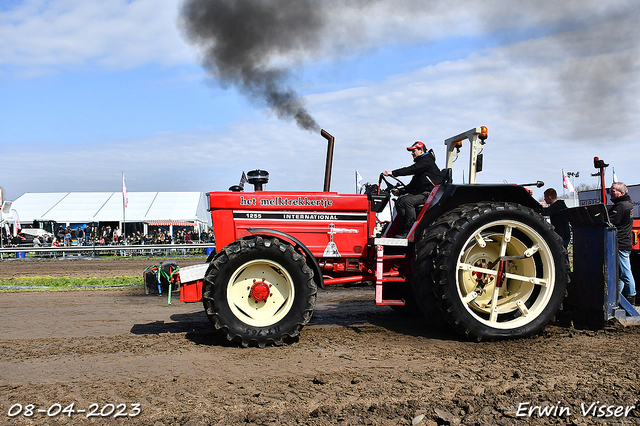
(86, 207)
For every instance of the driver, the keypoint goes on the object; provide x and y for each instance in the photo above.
(425, 174)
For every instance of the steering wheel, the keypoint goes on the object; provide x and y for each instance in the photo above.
(390, 187)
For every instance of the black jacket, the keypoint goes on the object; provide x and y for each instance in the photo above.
(621, 215)
(557, 219)
(422, 169)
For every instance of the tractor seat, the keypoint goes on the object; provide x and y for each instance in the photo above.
(447, 175)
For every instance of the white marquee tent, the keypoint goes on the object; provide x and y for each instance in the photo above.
(149, 208)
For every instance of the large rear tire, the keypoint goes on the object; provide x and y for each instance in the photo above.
(423, 288)
(498, 270)
(259, 291)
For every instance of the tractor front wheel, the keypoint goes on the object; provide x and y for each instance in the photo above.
(259, 291)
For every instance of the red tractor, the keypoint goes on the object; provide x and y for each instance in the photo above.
(480, 256)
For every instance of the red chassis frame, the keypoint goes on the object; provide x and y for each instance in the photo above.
(337, 230)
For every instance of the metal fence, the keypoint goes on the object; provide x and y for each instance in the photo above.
(97, 250)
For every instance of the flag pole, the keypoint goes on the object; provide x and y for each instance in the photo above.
(124, 220)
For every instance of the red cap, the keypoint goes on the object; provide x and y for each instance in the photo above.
(417, 145)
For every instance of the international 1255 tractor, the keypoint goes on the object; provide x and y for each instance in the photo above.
(480, 256)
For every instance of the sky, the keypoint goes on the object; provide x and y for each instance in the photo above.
(185, 95)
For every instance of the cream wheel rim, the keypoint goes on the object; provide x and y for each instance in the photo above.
(529, 274)
(258, 275)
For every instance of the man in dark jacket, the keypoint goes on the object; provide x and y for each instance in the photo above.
(621, 216)
(426, 174)
(559, 222)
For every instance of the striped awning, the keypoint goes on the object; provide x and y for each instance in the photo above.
(169, 222)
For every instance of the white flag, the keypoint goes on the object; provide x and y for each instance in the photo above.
(125, 197)
(358, 182)
(567, 183)
(615, 178)
(16, 222)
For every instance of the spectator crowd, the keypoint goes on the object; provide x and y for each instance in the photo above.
(105, 235)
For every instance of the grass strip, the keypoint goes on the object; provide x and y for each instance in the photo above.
(69, 282)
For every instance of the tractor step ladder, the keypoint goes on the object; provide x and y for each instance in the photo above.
(380, 243)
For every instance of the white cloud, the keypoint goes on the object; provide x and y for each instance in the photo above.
(116, 34)
(121, 34)
(530, 135)
(534, 95)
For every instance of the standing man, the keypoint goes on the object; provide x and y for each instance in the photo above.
(426, 174)
(621, 216)
(80, 236)
(67, 237)
(557, 219)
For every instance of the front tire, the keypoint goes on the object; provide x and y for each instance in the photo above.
(499, 270)
(259, 291)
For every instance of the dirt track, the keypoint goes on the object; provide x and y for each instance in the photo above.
(356, 363)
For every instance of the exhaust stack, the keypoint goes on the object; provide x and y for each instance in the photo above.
(329, 164)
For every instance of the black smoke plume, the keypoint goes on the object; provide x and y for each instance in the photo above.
(246, 41)
(254, 44)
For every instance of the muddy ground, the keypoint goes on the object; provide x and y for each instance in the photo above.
(355, 364)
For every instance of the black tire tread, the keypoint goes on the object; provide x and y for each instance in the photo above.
(435, 251)
(242, 247)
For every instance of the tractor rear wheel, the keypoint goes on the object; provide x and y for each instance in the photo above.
(499, 270)
(259, 291)
(422, 283)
